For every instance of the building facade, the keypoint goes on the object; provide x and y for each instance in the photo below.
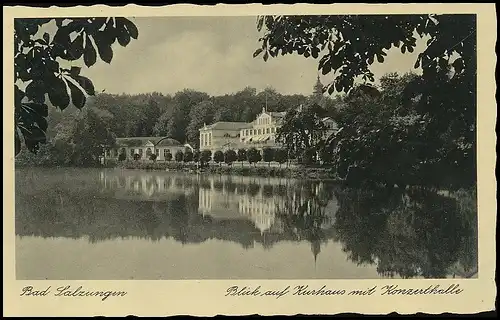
(145, 147)
(259, 134)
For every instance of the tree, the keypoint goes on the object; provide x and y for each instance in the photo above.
(230, 156)
(161, 126)
(444, 95)
(178, 117)
(200, 114)
(196, 156)
(268, 155)
(302, 129)
(388, 143)
(253, 156)
(242, 155)
(179, 156)
(153, 157)
(37, 68)
(168, 156)
(92, 136)
(308, 156)
(188, 155)
(205, 157)
(326, 155)
(218, 157)
(151, 114)
(281, 156)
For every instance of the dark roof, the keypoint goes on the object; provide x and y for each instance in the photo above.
(168, 142)
(141, 141)
(278, 114)
(222, 125)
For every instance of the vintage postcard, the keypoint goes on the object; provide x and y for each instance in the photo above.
(249, 159)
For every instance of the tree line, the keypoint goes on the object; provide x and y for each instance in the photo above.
(178, 116)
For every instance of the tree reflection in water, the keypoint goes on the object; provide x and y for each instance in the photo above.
(405, 233)
(409, 233)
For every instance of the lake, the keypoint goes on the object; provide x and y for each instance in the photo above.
(114, 224)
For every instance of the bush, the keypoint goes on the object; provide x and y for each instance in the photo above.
(281, 156)
(205, 156)
(242, 155)
(122, 157)
(179, 156)
(137, 156)
(188, 156)
(230, 156)
(253, 156)
(153, 157)
(268, 155)
(196, 156)
(168, 156)
(218, 156)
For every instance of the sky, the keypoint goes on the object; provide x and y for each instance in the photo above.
(213, 55)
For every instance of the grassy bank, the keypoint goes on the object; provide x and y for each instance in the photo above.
(300, 172)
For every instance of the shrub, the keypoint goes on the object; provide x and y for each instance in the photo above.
(242, 155)
(268, 155)
(179, 156)
(153, 157)
(168, 156)
(188, 156)
(196, 155)
(218, 157)
(280, 156)
(230, 156)
(205, 156)
(253, 156)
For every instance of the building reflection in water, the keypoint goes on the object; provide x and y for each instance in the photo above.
(143, 186)
(261, 201)
(409, 233)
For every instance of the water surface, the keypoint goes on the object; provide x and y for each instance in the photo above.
(93, 224)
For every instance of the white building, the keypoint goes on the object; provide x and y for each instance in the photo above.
(145, 146)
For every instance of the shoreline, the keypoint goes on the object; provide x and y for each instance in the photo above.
(293, 172)
(296, 172)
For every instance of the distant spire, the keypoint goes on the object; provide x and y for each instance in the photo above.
(318, 88)
(265, 108)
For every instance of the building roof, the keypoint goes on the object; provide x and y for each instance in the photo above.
(223, 125)
(142, 141)
(278, 114)
(168, 142)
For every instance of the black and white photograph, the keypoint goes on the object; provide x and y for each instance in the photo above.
(249, 159)
(311, 147)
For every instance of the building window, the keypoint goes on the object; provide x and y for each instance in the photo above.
(260, 131)
(210, 139)
(141, 152)
(268, 130)
(157, 152)
(165, 152)
(148, 152)
(132, 152)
